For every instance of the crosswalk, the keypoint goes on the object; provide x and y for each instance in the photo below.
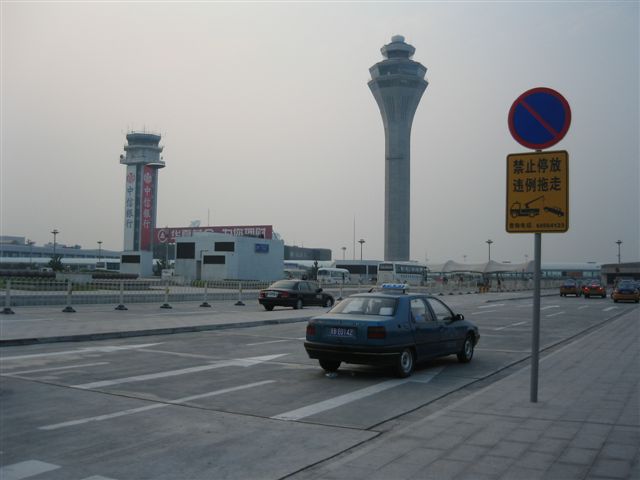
(31, 468)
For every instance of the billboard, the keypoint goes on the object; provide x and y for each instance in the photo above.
(169, 234)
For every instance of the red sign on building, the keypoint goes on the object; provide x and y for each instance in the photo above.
(169, 234)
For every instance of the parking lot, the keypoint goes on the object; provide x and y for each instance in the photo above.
(242, 402)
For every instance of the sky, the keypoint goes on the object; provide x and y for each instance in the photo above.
(266, 119)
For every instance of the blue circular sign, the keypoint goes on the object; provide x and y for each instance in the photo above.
(539, 118)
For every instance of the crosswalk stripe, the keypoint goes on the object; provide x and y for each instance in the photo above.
(26, 469)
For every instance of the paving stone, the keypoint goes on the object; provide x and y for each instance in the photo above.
(566, 471)
(549, 445)
(422, 456)
(492, 465)
(522, 474)
(442, 470)
(580, 456)
(611, 468)
(618, 451)
(535, 460)
(509, 449)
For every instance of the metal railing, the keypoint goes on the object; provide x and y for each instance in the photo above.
(47, 292)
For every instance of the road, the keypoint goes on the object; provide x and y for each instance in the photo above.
(240, 403)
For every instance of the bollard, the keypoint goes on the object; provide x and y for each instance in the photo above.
(240, 303)
(166, 298)
(204, 300)
(121, 305)
(7, 300)
(69, 308)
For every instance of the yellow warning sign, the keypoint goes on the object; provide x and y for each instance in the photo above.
(538, 192)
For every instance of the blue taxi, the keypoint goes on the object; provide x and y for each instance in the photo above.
(389, 327)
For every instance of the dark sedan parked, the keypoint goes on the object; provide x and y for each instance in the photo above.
(294, 293)
(389, 328)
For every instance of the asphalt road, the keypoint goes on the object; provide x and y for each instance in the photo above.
(239, 403)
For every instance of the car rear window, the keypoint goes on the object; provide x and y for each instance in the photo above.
(381, 306)
(286, 284)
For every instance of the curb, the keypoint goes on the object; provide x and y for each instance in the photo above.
(87, 337)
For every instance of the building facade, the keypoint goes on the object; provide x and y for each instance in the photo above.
(216, 256)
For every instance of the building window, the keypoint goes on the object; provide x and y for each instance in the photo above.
(186, 250)
(214, 259)
(130, 259)
(225, 247)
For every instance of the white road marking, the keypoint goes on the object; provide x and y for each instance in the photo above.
(554, 314)
(29, 468)
(510, 325)
(153, 406)
(608, 308)
(525, 305)
(265, 343)
(340, 400)
(107, 349)
(549, 306)
(493, 305)
(485, 311)
(238, 362)
(97, 477)
(22, 372)
(584, 306)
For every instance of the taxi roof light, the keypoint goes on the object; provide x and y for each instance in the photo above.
(395, 286)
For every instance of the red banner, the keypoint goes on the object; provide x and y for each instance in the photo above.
(146, 217)
(169, 234)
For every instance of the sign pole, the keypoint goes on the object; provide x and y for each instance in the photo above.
(535, 335)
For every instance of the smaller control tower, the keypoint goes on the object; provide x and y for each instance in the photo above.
(143, 160)
(397, 84)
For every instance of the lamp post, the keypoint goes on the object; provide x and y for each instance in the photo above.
(99, 250)
(30, 243)
(361, 242)
(489, 242)
(54, 232)
(344, 250)
(619, 242)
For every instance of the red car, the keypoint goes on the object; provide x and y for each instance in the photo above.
(596, 289)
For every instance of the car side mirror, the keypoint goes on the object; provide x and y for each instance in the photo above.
(318, 290)
(458, 316)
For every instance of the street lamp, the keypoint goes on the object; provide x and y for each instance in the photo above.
(344, 250)
(99, 250)
(619, 242)
(361, 241)
(489, 242)
(30, 243)
(54, 232)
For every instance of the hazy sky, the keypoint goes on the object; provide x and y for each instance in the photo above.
(266, 118)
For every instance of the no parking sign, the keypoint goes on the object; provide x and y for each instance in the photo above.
(539, 118)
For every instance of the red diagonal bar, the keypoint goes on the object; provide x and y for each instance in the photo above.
(535, 115)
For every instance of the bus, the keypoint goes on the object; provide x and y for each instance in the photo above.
(333, 275)
(413, 273)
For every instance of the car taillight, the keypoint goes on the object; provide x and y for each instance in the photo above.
(376, 332)
(261, 295)
(311, 330)
(284, 294)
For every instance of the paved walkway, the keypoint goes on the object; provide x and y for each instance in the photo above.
(585, 425)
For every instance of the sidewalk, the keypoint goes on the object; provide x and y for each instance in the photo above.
(585, 425)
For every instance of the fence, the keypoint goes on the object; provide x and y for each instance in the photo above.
(38, 292)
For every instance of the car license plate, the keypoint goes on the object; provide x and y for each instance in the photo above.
(342, 332)
(272, 294)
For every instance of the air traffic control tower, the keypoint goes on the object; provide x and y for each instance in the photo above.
(143, 161)
(397, 83)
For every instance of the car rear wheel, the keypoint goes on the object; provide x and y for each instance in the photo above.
(268, 308)
(466, 354)
(329, 365)
(404, 364)
(328, 302)
(298, 304)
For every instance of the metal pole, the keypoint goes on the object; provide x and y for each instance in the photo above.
(240, 303)
(535, 334)
(204, 300)
(69, 308)
(121, 305)
(7, 300)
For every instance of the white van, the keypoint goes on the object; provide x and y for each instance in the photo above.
(333, 275)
